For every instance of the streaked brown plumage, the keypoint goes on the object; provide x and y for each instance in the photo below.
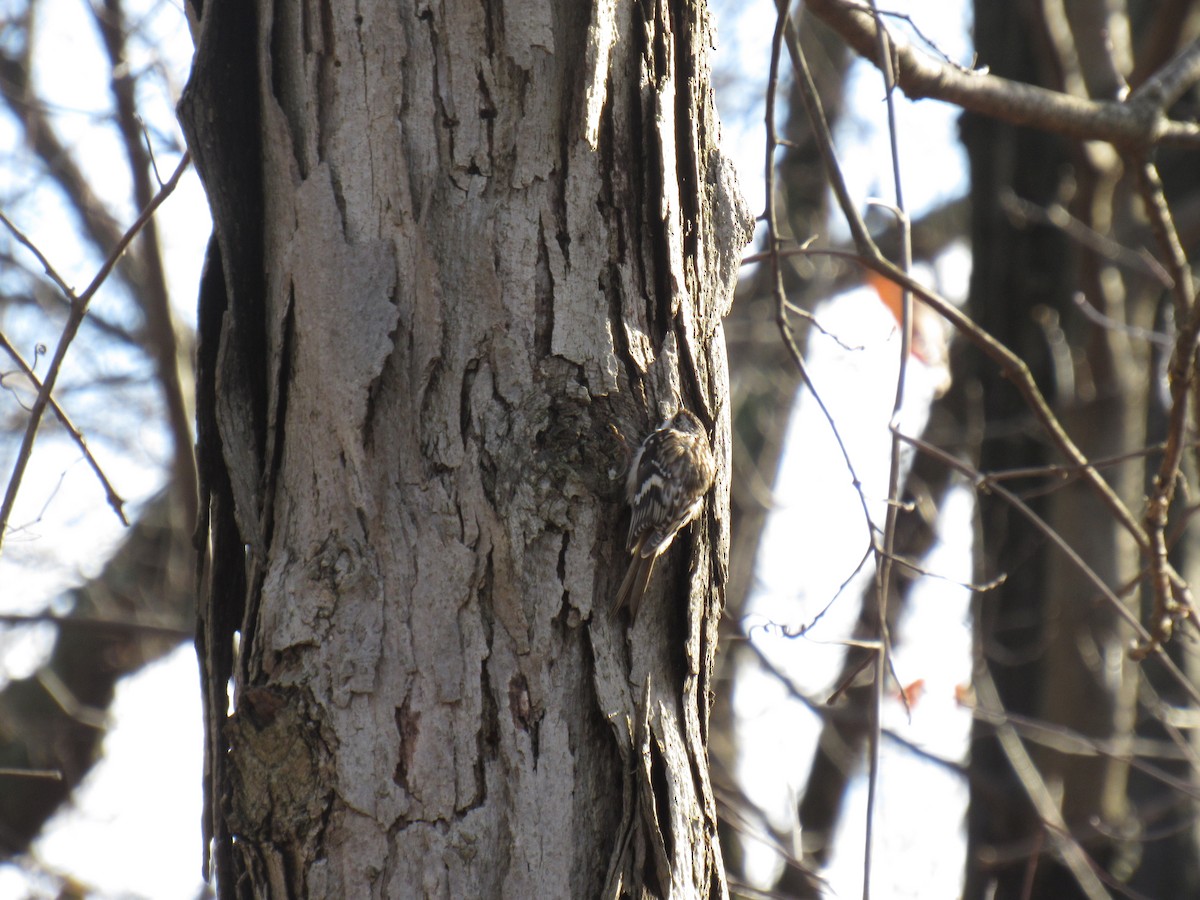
(668, 478)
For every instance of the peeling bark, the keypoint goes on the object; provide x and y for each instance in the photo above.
(489, 237)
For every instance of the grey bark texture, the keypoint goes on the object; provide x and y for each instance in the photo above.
(461, 252)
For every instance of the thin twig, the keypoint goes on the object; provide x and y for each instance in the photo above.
(1098, 318)
(1181, 380)
(1067, 473)
(1068, 849)
(48, 774)
(1017, 372)
(1058, 216)
(83, 713)
(924, 38)
(783, 25)
(1069, 742)
(820, 126)
(1173, 80)
(25, 242)
(846, 683)
(982, 587)
(79, 305)
(883, 568)
(1057, 539)
(114, 499)
(96, 623)
(748, 820)
(1063, 740)
(824, 711)
(795, 631)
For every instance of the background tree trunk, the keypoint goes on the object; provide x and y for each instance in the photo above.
(1057, 652)
(1056, 221)
(140, 606)
(454, 249)
(765, 382)
(1017, 271)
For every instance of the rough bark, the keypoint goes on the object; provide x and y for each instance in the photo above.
(456, 248)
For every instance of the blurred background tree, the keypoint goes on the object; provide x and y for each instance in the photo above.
(89, 138)
(1069, 273)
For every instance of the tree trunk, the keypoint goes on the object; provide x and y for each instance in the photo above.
(456, 249)
(1055, 650)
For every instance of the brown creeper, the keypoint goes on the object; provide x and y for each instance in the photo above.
(668, 478)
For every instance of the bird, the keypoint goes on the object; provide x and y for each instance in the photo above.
(669, 476)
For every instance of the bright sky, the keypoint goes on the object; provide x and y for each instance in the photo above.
(134, 831)
(814, 539)
(60, 496)
(135, 827)
(815, 536)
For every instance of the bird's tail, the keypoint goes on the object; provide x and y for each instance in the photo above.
(633, 586)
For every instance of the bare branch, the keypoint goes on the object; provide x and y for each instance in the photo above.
(114, 499)
(823, 138)
(1173, 80)
(782, 25)
(1140, 261)
(24, 241)
(96, 622)
(48, 774)
(1068, 849)
(1016, 370)
(1139, 122)
(1057, 539)
(79, 305)
(883, 568)
(1098, 318)
(153, 298)
(1168, 608)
